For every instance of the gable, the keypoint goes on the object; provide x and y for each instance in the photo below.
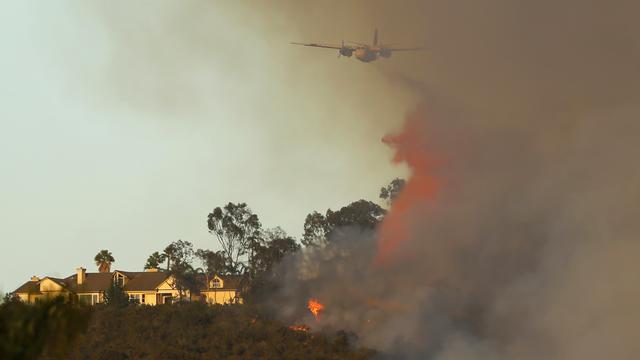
(119, 278)
(216, 283)
(49, 285)
(225, 282)
(167, 284)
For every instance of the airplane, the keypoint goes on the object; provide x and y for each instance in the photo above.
(363, 52)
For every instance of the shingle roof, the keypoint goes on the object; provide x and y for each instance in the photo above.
(31, 287)
(94, 282)
(229, 282)
(144, 281)
(138, 281)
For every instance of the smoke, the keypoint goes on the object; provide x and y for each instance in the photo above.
(516, 236)
(527, 251)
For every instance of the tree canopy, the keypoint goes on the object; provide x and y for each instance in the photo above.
(103, 260)
(319, 229)
(180, 256)
(391, 191)
(237, 230)
(155, 260)
(274, 246)
(214, 262)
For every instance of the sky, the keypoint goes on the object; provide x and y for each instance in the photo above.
(123, 125)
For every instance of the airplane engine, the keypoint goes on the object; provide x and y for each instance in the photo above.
(385, 53)
(346, 52)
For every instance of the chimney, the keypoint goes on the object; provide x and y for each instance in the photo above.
(35, 279)
(151, 270)
(82, 275)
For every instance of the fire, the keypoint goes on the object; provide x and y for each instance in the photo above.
(315, 307)
(303, 328)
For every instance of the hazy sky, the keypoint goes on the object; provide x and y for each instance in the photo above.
(122, 126)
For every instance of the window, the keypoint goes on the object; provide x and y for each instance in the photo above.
(88, 299)
(118, 279)
(216, 283)
(142, 298)
(84, 299)
(135, 298)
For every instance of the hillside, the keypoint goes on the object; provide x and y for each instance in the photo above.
(181, 331)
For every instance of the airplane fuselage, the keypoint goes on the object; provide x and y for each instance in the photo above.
(371, 53)
(365, 54)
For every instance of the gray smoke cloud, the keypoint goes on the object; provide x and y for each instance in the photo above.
(530, 248)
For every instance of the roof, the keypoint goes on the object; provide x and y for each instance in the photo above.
(229, 282)
(31, 287)
(94, 282)
(144, 281)
(137, 281)
(97, 282)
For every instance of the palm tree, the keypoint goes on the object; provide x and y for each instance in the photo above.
(155, 260)
(103, 260)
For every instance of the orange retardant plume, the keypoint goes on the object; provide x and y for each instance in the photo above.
(420, 188)
(315, 307)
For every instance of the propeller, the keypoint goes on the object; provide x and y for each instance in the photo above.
(340, 52)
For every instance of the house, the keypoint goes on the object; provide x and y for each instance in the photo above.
(149, 287)
(223, 289)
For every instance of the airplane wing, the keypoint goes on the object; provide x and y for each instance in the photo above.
(326, 46)
(406, 49)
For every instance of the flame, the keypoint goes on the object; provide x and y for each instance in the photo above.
(419, 189)
(303, 328)
(315, 307)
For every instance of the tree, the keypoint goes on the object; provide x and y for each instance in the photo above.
(316, 229)
(167, 253)
(179, 257)
(237, 229)
(103, 260)
(391, 191)
(154, 260)
(115, 296)
(276, 245)
(362, 213)
(214, 262)
(179, 253)
(320, 229)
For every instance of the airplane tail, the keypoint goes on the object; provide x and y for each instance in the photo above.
(375, 37)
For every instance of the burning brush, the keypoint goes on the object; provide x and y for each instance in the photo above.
(315, 307)
(303, 328)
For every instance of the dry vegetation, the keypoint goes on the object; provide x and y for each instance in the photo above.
(58, 330)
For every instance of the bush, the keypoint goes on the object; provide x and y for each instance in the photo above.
(46, 329)
(59, 330)
(198, 331)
